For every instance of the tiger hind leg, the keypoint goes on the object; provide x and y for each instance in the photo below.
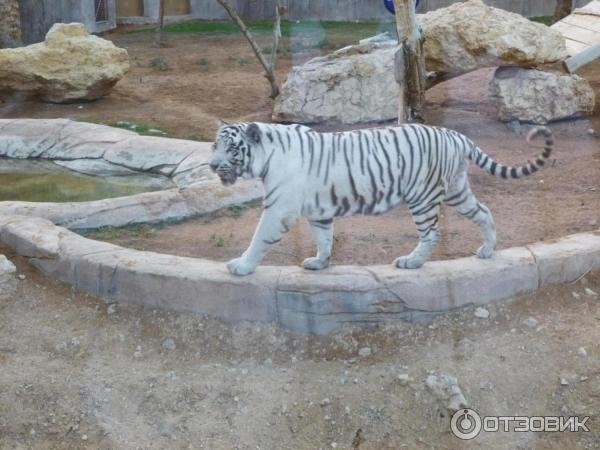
(322, 231)
(462, 198)
(426, 219)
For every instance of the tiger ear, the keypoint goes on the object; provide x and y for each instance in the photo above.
(221, 123)
(253, 133)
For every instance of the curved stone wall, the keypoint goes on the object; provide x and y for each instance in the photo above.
(296, 299)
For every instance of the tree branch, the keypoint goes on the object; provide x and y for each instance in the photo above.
(246, 32)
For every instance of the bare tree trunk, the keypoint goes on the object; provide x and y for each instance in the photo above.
(159, 26)
(269, 68)
(410, 63)
(563, 9)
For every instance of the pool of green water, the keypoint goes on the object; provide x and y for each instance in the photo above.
(44, 181)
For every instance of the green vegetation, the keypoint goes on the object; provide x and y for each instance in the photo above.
(159, 63)
(202, 62)
(546, 20)
(111, 234)
(141, 128)
(218, 241)
(288, 27)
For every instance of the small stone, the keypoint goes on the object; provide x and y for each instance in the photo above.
(137, 354)
(482, 313)
(575, 295)
(404, 378)
(325, 402)
(564, 382)
(169, 344)
(334, 445)
(531, 322)
(583, 378)
(84, 437)
(6, 266)
(22, 276)
(591, 293)
(365, 351)
(592, 132)
(112, 309)
(581, 351)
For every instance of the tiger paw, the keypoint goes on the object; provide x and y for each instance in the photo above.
(315, 263)
(485, 252)
(240, 267)
(408, 262)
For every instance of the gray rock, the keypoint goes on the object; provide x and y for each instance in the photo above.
(539, 97)
(482, 313)
(531, 322)
(352, 85)
(6, 267)
(445, 387)
(169, 344)
(364, 352)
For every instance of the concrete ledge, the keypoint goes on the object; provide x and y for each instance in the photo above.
(299, 300)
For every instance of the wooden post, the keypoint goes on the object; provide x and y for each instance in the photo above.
(410, 63)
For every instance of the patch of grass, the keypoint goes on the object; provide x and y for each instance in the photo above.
(218, 241)
(244, 61)
(238, 210)
(197, 136)
(113, 234)
(141, 128)
(160, 63)
(288, 27)
(202, 62)
(546, 20)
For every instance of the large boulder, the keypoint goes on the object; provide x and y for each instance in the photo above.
(470, 35)
(539, 97)
(70, 65)
(354, 84)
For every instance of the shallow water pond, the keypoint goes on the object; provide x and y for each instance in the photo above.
(44, 181)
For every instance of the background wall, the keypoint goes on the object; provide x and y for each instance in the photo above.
(37, 16)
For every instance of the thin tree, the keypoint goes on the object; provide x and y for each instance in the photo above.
(159, 25)
(563, 9)
(410, 63)
(268, 66)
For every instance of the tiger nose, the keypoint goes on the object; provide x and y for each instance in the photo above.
(213, 166)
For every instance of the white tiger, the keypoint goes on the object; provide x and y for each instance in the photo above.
(322, 175)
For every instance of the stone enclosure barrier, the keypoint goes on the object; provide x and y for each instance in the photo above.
(293, 298)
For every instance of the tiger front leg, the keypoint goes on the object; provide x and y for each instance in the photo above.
(426, 220)
(271, 227)
(322, 231)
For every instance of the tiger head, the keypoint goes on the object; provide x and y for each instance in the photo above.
(232, 151)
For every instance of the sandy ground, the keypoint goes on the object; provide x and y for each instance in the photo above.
(76, 373)
(79, 374)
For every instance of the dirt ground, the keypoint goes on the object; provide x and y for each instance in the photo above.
(79, 374)
(76, 373)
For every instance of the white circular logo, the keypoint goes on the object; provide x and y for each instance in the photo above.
(465, 424)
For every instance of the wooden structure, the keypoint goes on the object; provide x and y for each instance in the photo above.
(581, 29)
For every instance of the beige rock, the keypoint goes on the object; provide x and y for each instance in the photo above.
(357, 84)
(470, 35)
(352, 85)
(540, 97)
(70, 65)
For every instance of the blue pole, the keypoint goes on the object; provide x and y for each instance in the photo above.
(389, 5)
